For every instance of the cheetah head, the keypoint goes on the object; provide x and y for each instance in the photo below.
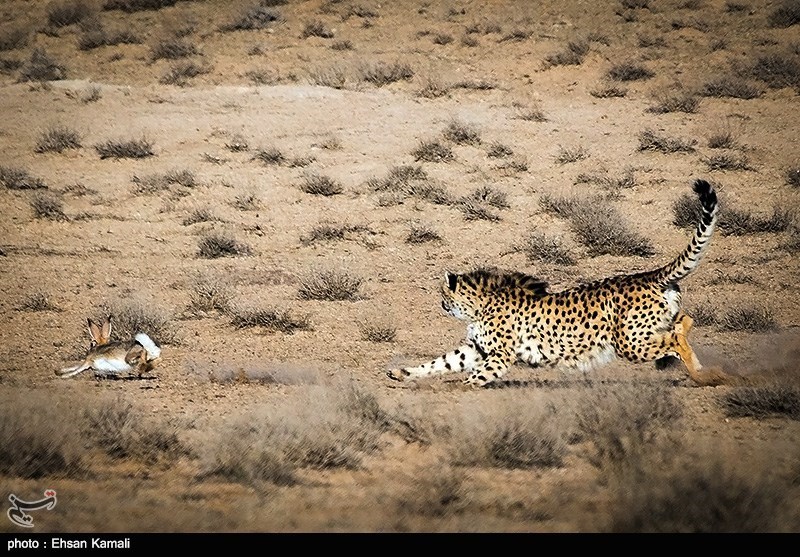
(461, 296)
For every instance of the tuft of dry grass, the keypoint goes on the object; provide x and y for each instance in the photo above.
(432, 151)
(13, 38)
(420, 234)
(730, 86)
(125, 149)
(785, 15)
(462, 133)
(699, 494)
(506, 434)
(608, 91)
(568, 155)
(437, 492)
(331, 285)
(220, 244)
(136, 316)
(37, 438)
(378, 332)
(38, 301)
(316, 29)
(727, 161)
(257, 16)
(172, 48)
(777, 70)
(622, 422)
(131, 6)
(383, 73)
(675, 101)
(752, 317)
(122, 432)
(181, 72)
(13, 178)
(651, 141)
(329, 231)
(41, 67)
(272, 319)
(210, 293)
(793, 176)
(541, 248)
(475, 210)
(318, 184)
(322, 427)
(68, 12)
(598, 226)
(737, 222)
(57, 139)
(629, 71)
(572, 55)
(767, 400)
(47, 205)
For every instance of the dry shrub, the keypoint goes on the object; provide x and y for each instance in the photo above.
(700, 494)
(130, 317)
(598, 226)
(751, 317)
(123, 432)
(502, 431)
(378, 332)
(767, 399)
(38, 301)
(209, 293)
(38, 437)
(130, 6)
(41, 67)
(432, 151)
(13, 178)
(462, 133)
(318, 184)
(629, 71)
(125, 149)
(382, 73)
(48, 206)
(435, 492)
(330, 285)
(651, 141)
(541, 248)
(221, 244)
(58, 138)
(322, 427)
(420, 234)
(272, 319)
(624, 424)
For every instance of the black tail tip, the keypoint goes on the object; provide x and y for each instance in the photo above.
(706, 193)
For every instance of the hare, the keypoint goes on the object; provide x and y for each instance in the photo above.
(112, 358)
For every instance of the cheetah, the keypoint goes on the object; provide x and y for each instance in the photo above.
(514, 317)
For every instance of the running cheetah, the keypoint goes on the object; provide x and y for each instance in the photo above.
(514, 317)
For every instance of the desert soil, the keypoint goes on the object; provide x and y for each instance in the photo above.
(117, 245)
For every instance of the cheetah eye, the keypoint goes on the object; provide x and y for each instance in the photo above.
(451, 281)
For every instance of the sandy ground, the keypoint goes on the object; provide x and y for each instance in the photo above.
(119, 246)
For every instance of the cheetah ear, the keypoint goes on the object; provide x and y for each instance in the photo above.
(451, 279)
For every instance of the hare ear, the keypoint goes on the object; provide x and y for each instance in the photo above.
(451, 279)
(106, 331)
(94, 332)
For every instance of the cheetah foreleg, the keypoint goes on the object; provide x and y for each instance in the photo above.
(464, 358)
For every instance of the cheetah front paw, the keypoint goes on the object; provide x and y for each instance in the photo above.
(398, 374)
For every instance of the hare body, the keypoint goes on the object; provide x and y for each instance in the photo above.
(112, 358)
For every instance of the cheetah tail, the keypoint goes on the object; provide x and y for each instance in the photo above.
(688, 260)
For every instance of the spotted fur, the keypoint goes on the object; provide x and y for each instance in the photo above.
(514, 317)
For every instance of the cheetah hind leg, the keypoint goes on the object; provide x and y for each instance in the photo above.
(680, 344)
